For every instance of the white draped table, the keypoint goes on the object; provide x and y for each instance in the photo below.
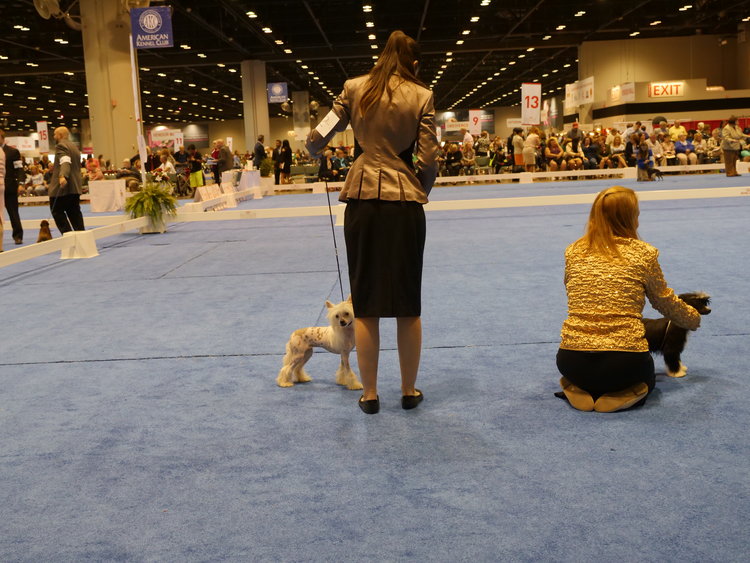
(107, 195)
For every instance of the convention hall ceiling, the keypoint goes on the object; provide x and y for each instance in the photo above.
(475, 52)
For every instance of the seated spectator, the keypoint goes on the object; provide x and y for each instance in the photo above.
(35, 184)
(48, 172)
(164, 170)
(453, 160)
(604, 153)
(657, 149)
(483, 144)
(684, 150)
(344, 162)
(590, 153)
(745, 150)
(554, 156)
(631, 149)
(498, 158)
(713, 147)
(699, 147)
(574, 154)
(329, 167)
(668, 151)
(95, 174)
(617, 154)
(468, 159)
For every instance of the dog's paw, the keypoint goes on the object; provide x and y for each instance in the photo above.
(682, 372)
(284, 383)
(303, 377)
(354, 385)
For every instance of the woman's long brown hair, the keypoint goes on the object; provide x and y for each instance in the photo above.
(613, 214)
(397, 57)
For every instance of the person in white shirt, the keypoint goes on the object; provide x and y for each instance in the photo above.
(468, 138)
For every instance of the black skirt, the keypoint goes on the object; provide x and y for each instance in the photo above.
(385, 249)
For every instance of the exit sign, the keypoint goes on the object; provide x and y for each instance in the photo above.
(666, 90)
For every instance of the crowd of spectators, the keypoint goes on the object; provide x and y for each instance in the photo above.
(532, 150)
(538, 150)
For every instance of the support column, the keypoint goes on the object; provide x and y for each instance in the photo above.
(106, 51)
(255, 102)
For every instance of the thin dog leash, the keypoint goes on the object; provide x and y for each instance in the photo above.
(666, 331)
(335, 246)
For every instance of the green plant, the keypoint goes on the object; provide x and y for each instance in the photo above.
(266, 167)
(152, 201)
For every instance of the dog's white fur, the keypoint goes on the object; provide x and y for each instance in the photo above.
(337, 338)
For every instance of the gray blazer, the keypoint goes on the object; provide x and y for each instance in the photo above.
(68, 164)
(405, 125)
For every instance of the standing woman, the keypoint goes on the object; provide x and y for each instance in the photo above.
(609, 272)
(731, 136)
(530, 148)
(392, 114)
(285, 162)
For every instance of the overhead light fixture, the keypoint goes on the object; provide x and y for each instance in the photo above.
(656, 22)
(367, 8)
(560, 27)
(251, 15)
(267, 30)
(288, 51)
(466, 32)
(369, 24)
(635, 33)
(279, 42)
(201, 55)
(460, 42)
(371, 37)
(546, 37)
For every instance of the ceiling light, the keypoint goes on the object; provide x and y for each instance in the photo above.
(545, 75)
(69, 92)
(373, 46)
(21, 82)
(686, 7)
(465, 32)
(656, 22)
(146, 92)
(460, 42)
(579, 14)
(566, 65)
(475, 19)
(521, 56)
(162, 75)
(267, 30)
(201, 55)
(232, 70)
(47, 87)
(186, 47)
(635, 33)
(369, 24)
(560, 27)
(279, 42)
(367, 8)
(371, 37)
(32, 64)
(288, 51)
(512, 62)
(251, 15)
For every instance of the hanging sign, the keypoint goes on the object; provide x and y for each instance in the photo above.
(277, 92)
(152, 27)
(41, 128)
(531, 103)
(475, 118)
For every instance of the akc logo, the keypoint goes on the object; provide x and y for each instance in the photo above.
(150, 21)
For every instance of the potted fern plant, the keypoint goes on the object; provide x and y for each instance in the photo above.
(153, 201)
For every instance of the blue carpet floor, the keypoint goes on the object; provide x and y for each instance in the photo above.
(141, 421)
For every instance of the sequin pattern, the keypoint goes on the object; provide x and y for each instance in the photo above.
(606, 298)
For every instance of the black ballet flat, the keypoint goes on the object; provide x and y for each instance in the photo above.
(369, 407)
(411, 401)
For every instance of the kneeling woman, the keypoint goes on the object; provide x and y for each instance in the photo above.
(609, 272)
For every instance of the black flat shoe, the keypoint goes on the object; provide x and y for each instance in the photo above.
(369, 407)
(411, 401)
(18, 240)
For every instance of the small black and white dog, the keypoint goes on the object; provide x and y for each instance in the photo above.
(666, 338)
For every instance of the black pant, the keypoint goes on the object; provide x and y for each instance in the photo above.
(11, 205)
(605, 372)
(66, 211)
(276, 174)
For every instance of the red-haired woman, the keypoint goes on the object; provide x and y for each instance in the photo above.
(392, 114)
(609, 272)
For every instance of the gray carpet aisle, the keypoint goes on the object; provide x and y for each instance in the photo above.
(141, 421)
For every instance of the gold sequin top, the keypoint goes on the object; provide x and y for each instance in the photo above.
(606, 298)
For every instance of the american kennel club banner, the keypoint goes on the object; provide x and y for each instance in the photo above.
(152, 27)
